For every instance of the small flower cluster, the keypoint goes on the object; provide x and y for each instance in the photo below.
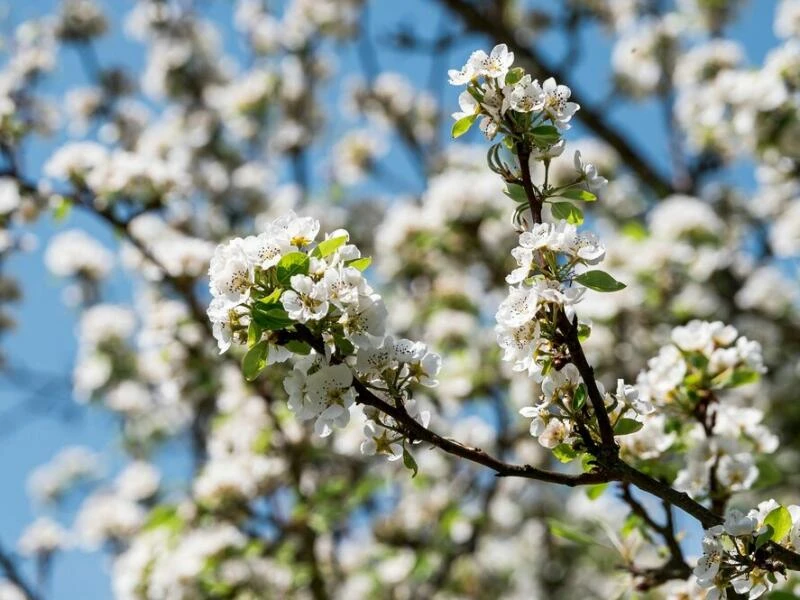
(731, 556)
(503, 89)
(139, 175)
(564, 395)
(720, 440)
(286, 296)
(542, 285)
(703, 355)
(549, 280)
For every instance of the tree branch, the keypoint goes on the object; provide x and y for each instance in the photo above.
(14, 576)
(416, 431)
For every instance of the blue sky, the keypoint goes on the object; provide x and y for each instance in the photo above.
(44, 339)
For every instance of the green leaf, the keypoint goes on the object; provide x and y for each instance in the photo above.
(579, 397)
(298, 347)
(255, 360)
(270, 315)
(328, 247)
(294, 263)
(516, 193)
(631, 524)
(567, 532)
(627, 426)
(600, 281)
(62, 209)
(578, 194)
(584, 331)
(781, 522)
(409, 462)
(588, 462)
(261, 444)
(735, 378)
(565, 453)
(164, 515)
(254, 332)
(462, 126)
(634, 230)
(765, 536)
(781, 595)
(568, 212)
(514, 75)
(360, 263)
(595, 491)
(344, 345)
(546, 135)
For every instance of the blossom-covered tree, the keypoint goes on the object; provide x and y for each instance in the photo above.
(548, 363)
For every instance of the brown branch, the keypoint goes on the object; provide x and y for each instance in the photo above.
(534, 203)
(416, 431)
(11, 571)
(675, 567)
(578, 358)
(570, 330)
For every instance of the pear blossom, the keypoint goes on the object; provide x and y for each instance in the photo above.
(526, 95)
(468, 105)
(307, 300)
(494, 65)
(589, 173)
(330, 388)
(556, 105)
(231, 273)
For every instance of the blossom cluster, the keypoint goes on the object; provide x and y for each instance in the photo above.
(494, 88)
(721, 439)
(542, 286)
(702, 355)
(731, 556)
(142, 174)
(284, 295)
(550, 279)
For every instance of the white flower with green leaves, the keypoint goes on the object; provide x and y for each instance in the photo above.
(307, 300)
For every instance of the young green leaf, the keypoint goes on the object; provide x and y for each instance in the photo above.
(565, 453)
(328, 247)
(294, 263)
(360, 263)
(579, 397)
(62, 209)
(578, 194)
(271, 315)
(595, 491)
(568, 212)
(516, 193)
(600, 281)
(781, 522)
(409, 462)
(627, 426)
(462, 126)
(765, 536)
(546, 135)
(735, 378)
(164, 516)
(298, 347)
(634, 230)
(254, 332)
(255, 360)
(514, 75)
